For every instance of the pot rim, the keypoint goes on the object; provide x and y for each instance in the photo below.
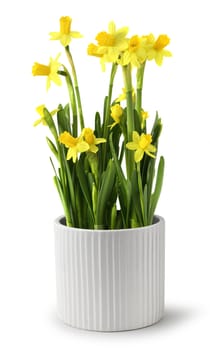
(159, 220)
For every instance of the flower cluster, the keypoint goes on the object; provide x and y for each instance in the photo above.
(113, 46)
(95, 189)
(86, 142)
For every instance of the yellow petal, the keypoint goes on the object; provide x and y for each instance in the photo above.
(136, 137)
(99, 140)
(112, 27)
(93, 149)
(65, 39)
(40, 110)
(72, 153)
(37, 122)
(55, 35)
(67, 139)
(138, 155)
(132, 146)
(149, 154)
(151, 148)
(76, 35)
(82, 146)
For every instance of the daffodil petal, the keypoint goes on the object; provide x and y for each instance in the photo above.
(136, 137)
(55, 35)
(93, 149)
(72, 153)
(83, 146)
(37, 122)
(99, 140)
(151, 148)
(65, 39)
(149, 154)
(112, 27)
(132, 146)
(76, 35)
(138, 155)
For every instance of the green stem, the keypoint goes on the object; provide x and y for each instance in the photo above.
(72, 98)
(139, 78)
(130, 117)
(106, 117)
(79, 104)
(141, 193)
(108, 102)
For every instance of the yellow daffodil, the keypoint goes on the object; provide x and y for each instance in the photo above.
(141, 144)
(110, 44)
(92, 50)
(65, 35)
(50, 71)
(116, 114)
(135, 54)
(40, 111)
(122, 96)
(75, 145)
(91, 140)
(156, 48)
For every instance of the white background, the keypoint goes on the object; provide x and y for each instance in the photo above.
(180, 91)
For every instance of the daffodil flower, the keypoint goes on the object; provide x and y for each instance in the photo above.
(66, 34)
(156, 48)
(75, 145)
(91, 140)
(116, 114)
(135, 54)
(141, 144)
(40, 111)
(50, 71)
(109, 44)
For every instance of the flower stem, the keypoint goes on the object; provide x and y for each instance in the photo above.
(130, 116)
(141, 193)
(107, 114)
(139, 78)
(108, 102)
(79, 104)
(72, 98)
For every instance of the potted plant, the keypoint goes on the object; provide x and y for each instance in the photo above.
(109, 243)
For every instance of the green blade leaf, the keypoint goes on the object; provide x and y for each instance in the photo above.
(124, 186)
(84, 184)
(52, 148)
(105, 192)
(50, 122)
(158, 186)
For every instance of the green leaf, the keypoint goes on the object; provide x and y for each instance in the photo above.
(158, 186)
(145, 199)
(137, 122)
(84, 187)
(156, 130)
(105, 192)
(63, 200)
(98, 131)
(149, 181)
(52, 148)
(124, 186)
(136, 205)
(63, 120)
(50, 122)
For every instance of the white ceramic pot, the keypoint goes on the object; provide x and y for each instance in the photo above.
(110, 280)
